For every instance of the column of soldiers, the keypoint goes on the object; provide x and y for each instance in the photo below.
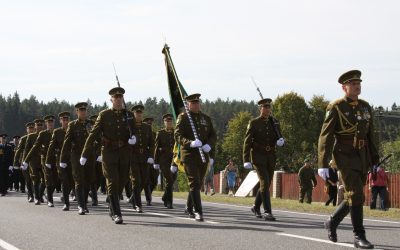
(126, 148)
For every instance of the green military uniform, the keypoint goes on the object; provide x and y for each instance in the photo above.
(40, 147)
(142, 152)
(195, 168)
(307, 182)
(53, 159)
(35, 164)
(347, 136)
(163, 155)
(18, 159)
(113, 126)
(74, 142)
(259, 149)
(98, 172)
(153, 173)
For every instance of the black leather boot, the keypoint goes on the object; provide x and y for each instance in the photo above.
(50, 202)
(79, 194)
(266, 200)
(334, 220)
(189, 206)
(65, 192)
(36, 188)
(147, 193)
(93, 190)
(357, 216)
(117, 217)
(198, 209)
(30, 191)
(255, 209)
(42, 187)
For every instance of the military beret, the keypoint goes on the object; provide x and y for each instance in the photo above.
(137, 108)
(349, 76)
(64, 114)
(49, 118)
(148, 119)
(30, 125)
(16, 137)
(3, 135)
(39, 121)
(167, 116)
(93, 117)
(116, 91)
(193, 98)
(266, 102)
(81, 105)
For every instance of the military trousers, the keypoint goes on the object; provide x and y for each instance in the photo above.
(36, 174)
(115, 162)
(265, 172)
(307, 193)
(195, 173)
(83, 175)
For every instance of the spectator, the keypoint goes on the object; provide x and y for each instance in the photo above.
(307, 181)
(378, 184)
(331, 183)
(230, 174)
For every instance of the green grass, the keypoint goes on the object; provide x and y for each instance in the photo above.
(290, 205)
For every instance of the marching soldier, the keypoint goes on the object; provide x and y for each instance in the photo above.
(153, 173)
(40, 147)
(6, 160)
(98, 174)
(34, 163)
(347, 136)
(192, 161)
(74, 141)
(114, 126)
(262, 134)
(25, 178)
(142, 156)
(163, 155)
(53, 158)
(18, 179)
(307, 181)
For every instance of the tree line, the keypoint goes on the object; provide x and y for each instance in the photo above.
(300, 122)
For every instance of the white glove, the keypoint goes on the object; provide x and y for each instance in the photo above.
(174, 169)
(63, 165)
(132, 140)
(247, 165)
(10, 168)
(82, 161)
(150, 160)
(196, 143)
(280, 142)
(206, 148)
(323, 173)
(211, 161)
(99, 158)
(25, 165)
(156, 166)
(48, 165)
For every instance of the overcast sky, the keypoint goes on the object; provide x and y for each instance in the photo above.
(65, 49)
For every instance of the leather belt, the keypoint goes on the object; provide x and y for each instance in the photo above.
(116, 143)
(263, 148)
(359, 144)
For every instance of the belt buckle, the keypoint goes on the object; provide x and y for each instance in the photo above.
(267, 148)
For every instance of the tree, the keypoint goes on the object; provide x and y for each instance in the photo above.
(394, 163)
(317, 106)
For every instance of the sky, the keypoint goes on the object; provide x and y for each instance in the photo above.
(65, 49)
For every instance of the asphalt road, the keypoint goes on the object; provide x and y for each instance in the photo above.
(26, 226)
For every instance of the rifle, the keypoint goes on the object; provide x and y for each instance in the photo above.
(275, 122)
(374, 169)
(127, 116)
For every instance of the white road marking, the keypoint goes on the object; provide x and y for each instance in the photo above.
(7, 246)
(315, 239)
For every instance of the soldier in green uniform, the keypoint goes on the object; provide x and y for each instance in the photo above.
(163, 154)
(262, 135)
(142, 156)
(98, 174)
(190, 147)
(347, 136)
(153, 173)
(30, 128)
(53, 158)
(307, 181)
(74, 141)
(115, 127)
(34, 163)
(40, 147)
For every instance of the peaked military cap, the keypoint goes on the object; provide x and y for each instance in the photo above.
(193, 98)
(38, 121)
(167, 116)
(64, 114)
(16, 137)
(30, 125)
(266, 102)
(49, 118)
(3, 135)
(138, 108)
(81, 105)
(349, 76)
(116, 91)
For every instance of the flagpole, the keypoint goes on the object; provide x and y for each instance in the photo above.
(196, 137)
